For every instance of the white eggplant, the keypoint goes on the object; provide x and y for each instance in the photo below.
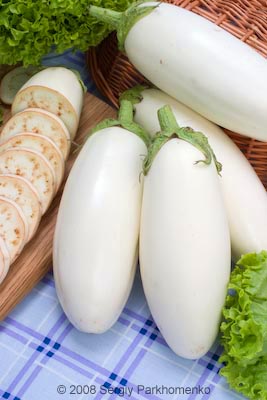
(244, 195)
(184, 248)
(197, 62)
(97, 230)
(57, 90)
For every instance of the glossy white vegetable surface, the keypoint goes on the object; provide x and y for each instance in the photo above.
(203, 66)
(244, 195)
(184, 248)
(97, 230)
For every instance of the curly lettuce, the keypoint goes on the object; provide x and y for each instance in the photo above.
(244, 328)
(29, 29)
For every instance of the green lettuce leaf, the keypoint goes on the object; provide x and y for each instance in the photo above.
(29, 29)
(244, 328)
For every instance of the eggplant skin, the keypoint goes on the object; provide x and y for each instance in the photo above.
(96, 238)
(185, 253)
(203, 66)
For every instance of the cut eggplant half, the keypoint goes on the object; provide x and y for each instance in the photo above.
(13, 227)
(41, 144)
(33, 166)
(14, 80)
(4, 260)
(57, 90)
(23, 193)
(41, 122)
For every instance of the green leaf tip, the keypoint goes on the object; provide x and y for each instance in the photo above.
(122, 22)
(170, 129)
(200, 141)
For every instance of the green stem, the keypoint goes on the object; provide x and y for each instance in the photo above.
(126, 112)
(167, 120)
(125, 117)
(110, 17)
(122, 22)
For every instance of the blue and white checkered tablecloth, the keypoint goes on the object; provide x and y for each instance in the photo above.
(43, 357)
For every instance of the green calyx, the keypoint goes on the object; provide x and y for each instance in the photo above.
(125, 120)
(122, 22)
(134, 95)
(169, 130)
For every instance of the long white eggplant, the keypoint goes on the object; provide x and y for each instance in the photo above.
(184, 248)
(197, 62)
(244, 195)
(97, 230)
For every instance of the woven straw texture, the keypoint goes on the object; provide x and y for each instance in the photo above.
(245, 19)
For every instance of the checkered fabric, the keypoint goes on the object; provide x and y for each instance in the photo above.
(43, 357)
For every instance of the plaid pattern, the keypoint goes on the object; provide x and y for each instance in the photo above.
(42, 354)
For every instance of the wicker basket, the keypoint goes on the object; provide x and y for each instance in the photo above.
(246, 19)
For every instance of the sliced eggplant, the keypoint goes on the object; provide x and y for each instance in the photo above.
(57, 90)
(33, 166)
(41, 144)
(13, 227)
(23, 193)
(40, 122)
(14, 80)
(4, 260)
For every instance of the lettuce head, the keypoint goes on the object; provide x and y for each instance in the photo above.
(244, 328)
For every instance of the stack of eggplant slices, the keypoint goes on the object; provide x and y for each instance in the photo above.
(34, 146)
